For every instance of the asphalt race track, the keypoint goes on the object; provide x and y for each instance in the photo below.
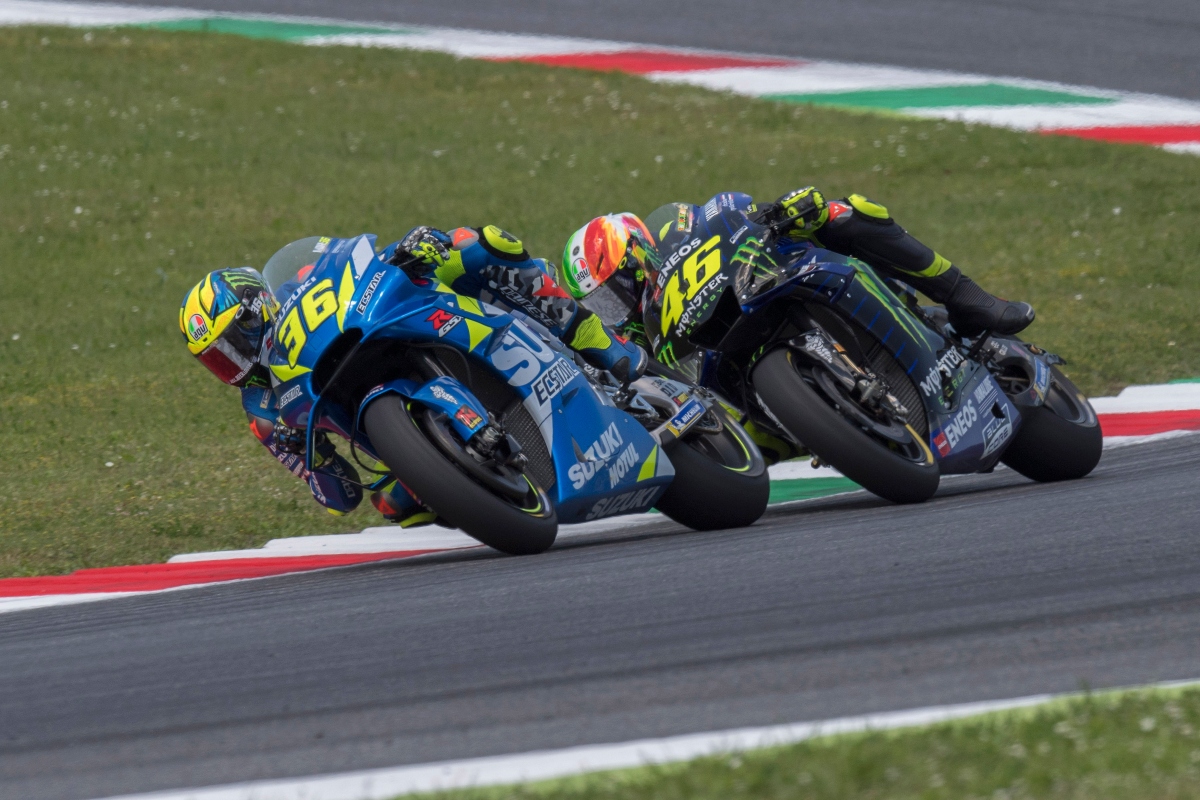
(1115, 44)
(997, 588)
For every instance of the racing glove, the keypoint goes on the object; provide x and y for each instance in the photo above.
(290, 440)
(425, 245)
(603, 349)
(806, 209)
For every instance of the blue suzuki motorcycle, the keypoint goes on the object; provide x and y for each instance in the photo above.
(483, 415)
(823, 352)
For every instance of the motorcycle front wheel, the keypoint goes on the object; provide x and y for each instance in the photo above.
(721, 480)
(833, 429)
(485, 507)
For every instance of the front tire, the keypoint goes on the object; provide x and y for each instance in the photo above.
(1058, 441)
(721, 480)
(413, 460)
(831, 436)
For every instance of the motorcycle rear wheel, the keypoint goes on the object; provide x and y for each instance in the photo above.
(1058, 441)
(499, 522)
(836, 440)
(721, 480)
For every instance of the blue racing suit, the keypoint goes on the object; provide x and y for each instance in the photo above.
(484, 263)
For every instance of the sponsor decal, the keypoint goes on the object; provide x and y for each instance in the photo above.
(197, 327)
(738, 234)
(530, 308)
(620, 468)
(322, 245)
(996, 433)
(931, 384)
(629, 501)
(288, 396)
(467, 416)
(369, 292)
(1041, 377)
(582, 272)
(939, 441)
(596, 456)
(552, 381)
(985, 392)
(683, 222)
(726, 200)
(701, 301)
(962, 423)
(679, 423)
(442, 394)
(443, 321)
(711, 210)
(672, 260)
(815, 344)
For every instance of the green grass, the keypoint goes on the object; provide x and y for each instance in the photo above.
(133, 161)
(1121, 746)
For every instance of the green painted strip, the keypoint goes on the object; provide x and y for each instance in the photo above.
(264, 29)
(1185, 380)
(808, 488)
(983, 94)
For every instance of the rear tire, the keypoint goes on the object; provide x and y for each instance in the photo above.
(829, 435)
(1059, 441)
(721, 480)
(419, 465)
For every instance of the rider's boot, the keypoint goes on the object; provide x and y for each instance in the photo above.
(604, 349)
(973, 310)
(398, 505)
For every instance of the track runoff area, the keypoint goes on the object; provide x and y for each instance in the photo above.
(1046, 107)
(1139, 414)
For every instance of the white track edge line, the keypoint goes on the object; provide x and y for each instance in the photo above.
(380, 784)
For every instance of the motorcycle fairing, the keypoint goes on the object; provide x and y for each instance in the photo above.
(382, 302)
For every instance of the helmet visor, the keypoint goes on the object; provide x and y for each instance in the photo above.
(612, 302)
(235, 352)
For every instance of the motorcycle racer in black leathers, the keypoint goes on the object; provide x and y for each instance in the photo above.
(608, 263)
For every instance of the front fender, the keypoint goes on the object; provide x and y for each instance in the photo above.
(444, 394)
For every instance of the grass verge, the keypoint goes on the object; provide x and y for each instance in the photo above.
(133, 161)
(1137, 745)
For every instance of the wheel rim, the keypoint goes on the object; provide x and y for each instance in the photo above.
(726, 448)
(894, 435)
(501, 480)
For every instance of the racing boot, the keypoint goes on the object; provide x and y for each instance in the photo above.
(972, 310)
(398, 505)
(604, 349)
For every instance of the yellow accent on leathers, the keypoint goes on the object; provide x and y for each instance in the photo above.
(940, 264)
(590, 334)
(868, 207)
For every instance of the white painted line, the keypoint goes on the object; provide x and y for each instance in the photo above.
(1191, 148)
(816, 77)
(1141, 112)
(473, 44)
(21, 12)
(8, 604)
(379, 784)
(1111, 442)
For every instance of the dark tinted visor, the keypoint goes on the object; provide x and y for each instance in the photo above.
(613, 301)
(235, 352)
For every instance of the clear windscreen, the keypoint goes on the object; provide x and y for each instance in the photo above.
(289, 262)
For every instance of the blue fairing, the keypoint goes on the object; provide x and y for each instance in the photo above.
(349, 290)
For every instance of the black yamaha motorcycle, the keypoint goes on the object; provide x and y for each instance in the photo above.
(820, 350)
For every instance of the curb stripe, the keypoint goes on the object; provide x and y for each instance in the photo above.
(1154, 134)
(641, 62)
(1145, 424)
(983, 94)
(155, 577)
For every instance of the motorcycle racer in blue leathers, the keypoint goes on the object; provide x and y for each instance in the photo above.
(226, 320)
